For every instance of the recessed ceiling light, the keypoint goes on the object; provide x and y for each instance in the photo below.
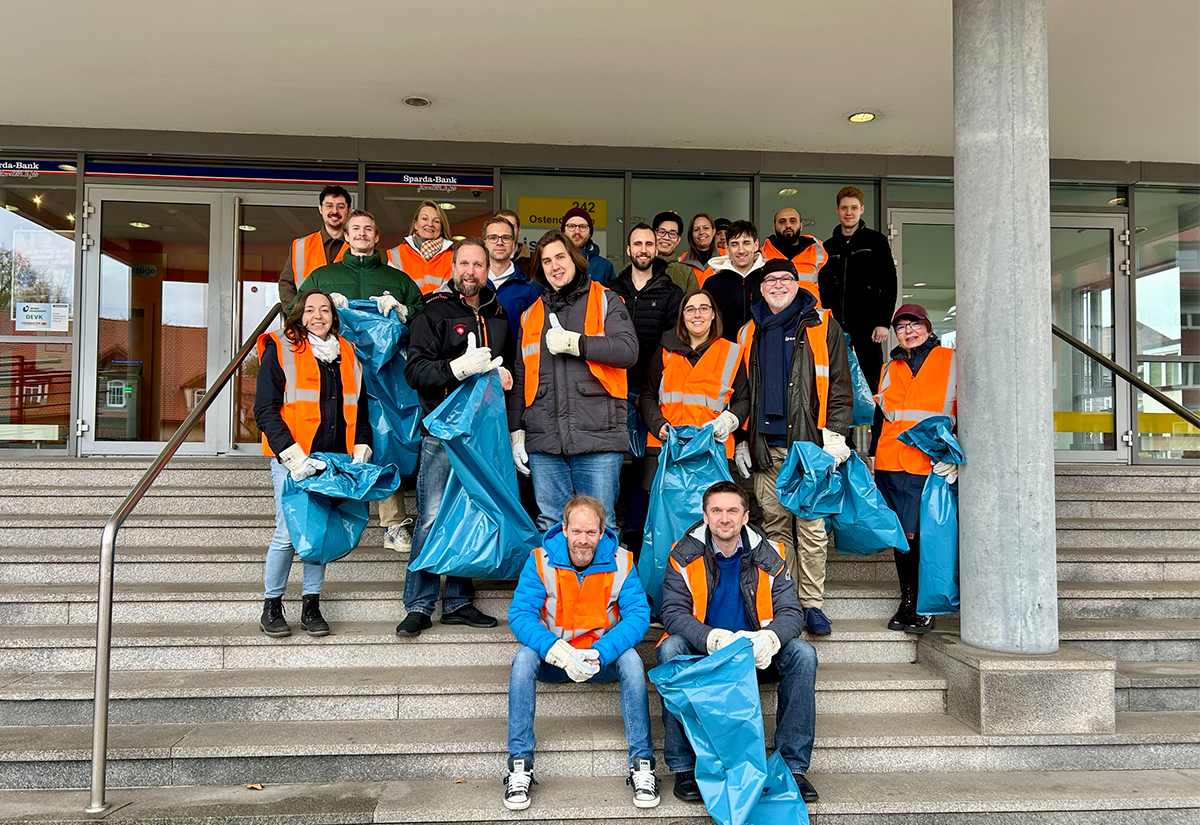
(139, 224)
(67, 167)
(447, 206)
(12, 207)
(1116, 201)
(788, 192)
(861, 117)
(1137, 230)
(245, 227)
(907, 295)
(37, 199)
(417, 101)
(459, 238)
(922, 283)
(70, 217)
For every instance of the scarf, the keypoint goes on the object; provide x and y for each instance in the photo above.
(326, 351)
(775, 363)
(430, 248)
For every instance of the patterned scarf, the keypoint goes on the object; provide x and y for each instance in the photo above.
(430, 248)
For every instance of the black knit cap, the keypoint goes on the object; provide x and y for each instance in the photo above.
(779, 265)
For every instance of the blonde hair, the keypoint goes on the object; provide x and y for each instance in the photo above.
(441, 213)
(585, 502)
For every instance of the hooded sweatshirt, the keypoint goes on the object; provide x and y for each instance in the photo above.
(734, 293)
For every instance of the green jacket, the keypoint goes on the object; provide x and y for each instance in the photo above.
(359, 277)
(682, 274)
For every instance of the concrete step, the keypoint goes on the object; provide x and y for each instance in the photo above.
(336, 751)
(1121, 600)
(1116, 532)
(213, 646)
(1154, 686)
(1004, 798)
(1135, 640)
(177, 530)
(421, 692)
(1128, 564)
(159, 500)
(1127, 505)
(1111, 478)
(212, 473)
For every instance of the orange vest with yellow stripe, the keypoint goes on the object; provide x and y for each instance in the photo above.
(430, 275)
(308, 254)
(907, 400)
(808, 262)
(301, 409)
(533, 320)
(818, 344)
(580, 612)
(696, 394)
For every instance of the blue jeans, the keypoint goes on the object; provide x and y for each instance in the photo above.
(421, 586)
(795, 668)
(280, 550)
(558, 477)
(528, 669)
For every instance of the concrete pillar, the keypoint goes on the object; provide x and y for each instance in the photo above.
(1002, 281)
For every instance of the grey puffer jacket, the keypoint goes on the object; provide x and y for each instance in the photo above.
(572, 413)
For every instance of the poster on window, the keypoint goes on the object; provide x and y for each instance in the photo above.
(42, 269)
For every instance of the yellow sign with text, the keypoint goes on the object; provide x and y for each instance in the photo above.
(547, 213)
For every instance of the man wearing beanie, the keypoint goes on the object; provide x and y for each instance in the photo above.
(668, 229)
(578, 226)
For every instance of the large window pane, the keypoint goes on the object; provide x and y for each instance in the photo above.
(927, 271)
(35, 394)
(815, 200)
(1078, 194)
(1162, 433)
(939, 192)
(1167, 291)
(718, 198)
(542, 200)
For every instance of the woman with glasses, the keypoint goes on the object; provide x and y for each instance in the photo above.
(919, 382)
(696, 378)
(702, 243)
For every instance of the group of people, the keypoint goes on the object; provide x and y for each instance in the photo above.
(741, 337)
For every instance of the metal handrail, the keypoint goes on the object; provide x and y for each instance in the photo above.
(108, 551)
(1155, 393)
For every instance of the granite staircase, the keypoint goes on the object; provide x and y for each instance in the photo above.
(361, 726)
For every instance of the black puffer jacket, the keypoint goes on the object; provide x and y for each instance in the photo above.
(654, 309)
(858, 281)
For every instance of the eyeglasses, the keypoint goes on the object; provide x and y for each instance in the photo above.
(907, 325)
(703, 309)
(576, 226)
(498, 238)
(782, 279)
(667, 233)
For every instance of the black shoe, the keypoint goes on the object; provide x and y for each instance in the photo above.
(807, 792)
(919, 625)
(272, 622)
(413, 624)
(686, 787)
(468, 614)
(311, 620)
(899, 620)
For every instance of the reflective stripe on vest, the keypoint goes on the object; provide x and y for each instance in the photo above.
(580, 613)
(301, 410)
(430, 275)
(308, 255)
(818, 344)
(533, 320)
(906, 400)
(695, 576)
(808, 262)
(696, 395)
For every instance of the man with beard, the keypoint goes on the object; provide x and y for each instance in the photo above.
(805, 252)
(452, 339)
(324, 246)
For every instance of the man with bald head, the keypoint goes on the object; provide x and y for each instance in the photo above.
(805, 252)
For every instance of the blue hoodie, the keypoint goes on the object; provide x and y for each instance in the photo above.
(525, 615)
(600, 269)
(516, 295)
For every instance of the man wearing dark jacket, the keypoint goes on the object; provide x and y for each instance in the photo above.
(858, 282)
(578, 225)
(515, 292)
(453, 339)
(799, 391)
(732, 563)
(733, 279)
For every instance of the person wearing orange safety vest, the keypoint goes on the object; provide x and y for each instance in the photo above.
(726, 579)
(800, 390)
(308, 400)
(578, 611)
(424, 255)
(920, 382)
(567, 411)
(322, 247)
(805, 252)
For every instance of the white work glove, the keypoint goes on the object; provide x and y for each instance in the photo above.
(339, 300)
(385, 303)
(946, 470)
(300, 465)
(362, 454)
(835, 445)
(717, 639)
(722, 426)
(559, 340)
(574, 662)
(766, 645)
(741, 457)
(474, 361)
(520, 457)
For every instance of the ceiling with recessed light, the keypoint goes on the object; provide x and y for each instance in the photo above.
(1124, 75)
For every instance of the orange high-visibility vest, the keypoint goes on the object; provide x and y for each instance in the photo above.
(808, 262)
(301, 409)
(907, 400)
(308, 254)
(818, 343)
(533, 319)
(428, 275)
(581, 612)
(696, 395)
(695, 576)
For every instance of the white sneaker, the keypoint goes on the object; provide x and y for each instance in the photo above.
(398, 537)
(644, 782)
(517, 784)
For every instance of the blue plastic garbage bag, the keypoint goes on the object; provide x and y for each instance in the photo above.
(866, 524)
(481, 531)
(327, 513)
(808, 486)
(637, 427)
(690, 462)
(392, 405)
(937, 576)
(864, 401)
(780, 799)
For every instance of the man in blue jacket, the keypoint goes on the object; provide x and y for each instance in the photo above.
(578, 610)
(515, 292)
(579, 226)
